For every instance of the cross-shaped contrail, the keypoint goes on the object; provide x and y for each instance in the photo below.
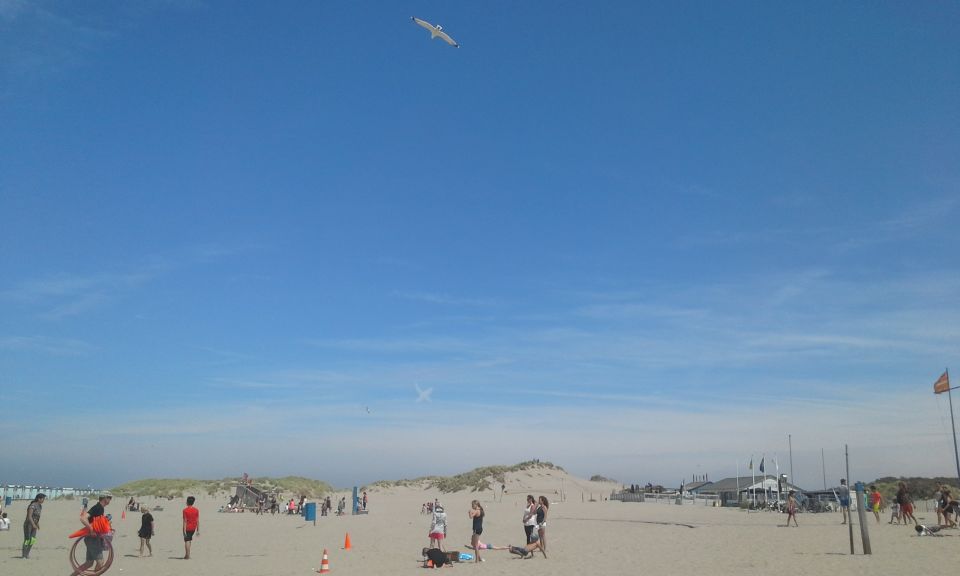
(423, 395)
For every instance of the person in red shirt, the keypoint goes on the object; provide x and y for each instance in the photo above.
(191, 526)
(876, 502)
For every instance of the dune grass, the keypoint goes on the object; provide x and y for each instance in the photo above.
(476, 480)
(181, 487)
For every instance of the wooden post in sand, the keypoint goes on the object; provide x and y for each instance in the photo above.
(862, 515)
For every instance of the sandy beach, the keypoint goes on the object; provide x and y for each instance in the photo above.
(584, 537)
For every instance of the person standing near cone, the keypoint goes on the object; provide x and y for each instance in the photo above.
(31, 524)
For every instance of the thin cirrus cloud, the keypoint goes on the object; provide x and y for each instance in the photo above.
(63, 296)
(444, 299)
(46, 345)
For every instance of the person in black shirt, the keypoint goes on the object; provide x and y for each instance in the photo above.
(438, 557)
(94, 542)
(146, 530)
(476, 514)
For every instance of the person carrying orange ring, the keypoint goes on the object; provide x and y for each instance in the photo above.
(97, 527)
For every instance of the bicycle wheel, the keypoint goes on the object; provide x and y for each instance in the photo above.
(91, 570)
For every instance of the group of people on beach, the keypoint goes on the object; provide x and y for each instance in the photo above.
(901, 509)
(97, 531)
(534, 521)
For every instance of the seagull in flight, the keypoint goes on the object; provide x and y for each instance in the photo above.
(423, 395)
(436, 31)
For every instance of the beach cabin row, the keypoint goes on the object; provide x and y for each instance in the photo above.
(11, 492)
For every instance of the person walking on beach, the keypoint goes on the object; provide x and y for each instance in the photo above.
(936, 501)
(191, 526)
(543, 507)
(843, 493)
(530, 517)
(95, 520)
(31, 524)
(876, 502)
(476, 515)
(146, 530)
(792, 508)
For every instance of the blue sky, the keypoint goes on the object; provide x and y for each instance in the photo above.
(643, 241)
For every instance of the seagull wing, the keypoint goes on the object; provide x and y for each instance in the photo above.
(424, 23)
(435, 31)
(446, 38)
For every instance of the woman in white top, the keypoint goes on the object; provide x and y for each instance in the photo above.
(530, 517)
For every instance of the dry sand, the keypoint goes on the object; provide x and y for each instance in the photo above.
(583, 537)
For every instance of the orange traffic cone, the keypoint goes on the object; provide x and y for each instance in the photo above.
(324, 564)
(346, 542)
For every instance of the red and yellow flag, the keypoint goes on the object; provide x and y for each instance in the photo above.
(942, 384)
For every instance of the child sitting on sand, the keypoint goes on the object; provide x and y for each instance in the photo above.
(436, 558)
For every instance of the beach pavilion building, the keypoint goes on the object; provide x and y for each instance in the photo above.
(748, 489)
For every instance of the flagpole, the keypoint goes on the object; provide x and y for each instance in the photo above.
(763, 480)
(753, 482)
(776, 463)
(790, 442)
(738, 484)
(953, 426)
